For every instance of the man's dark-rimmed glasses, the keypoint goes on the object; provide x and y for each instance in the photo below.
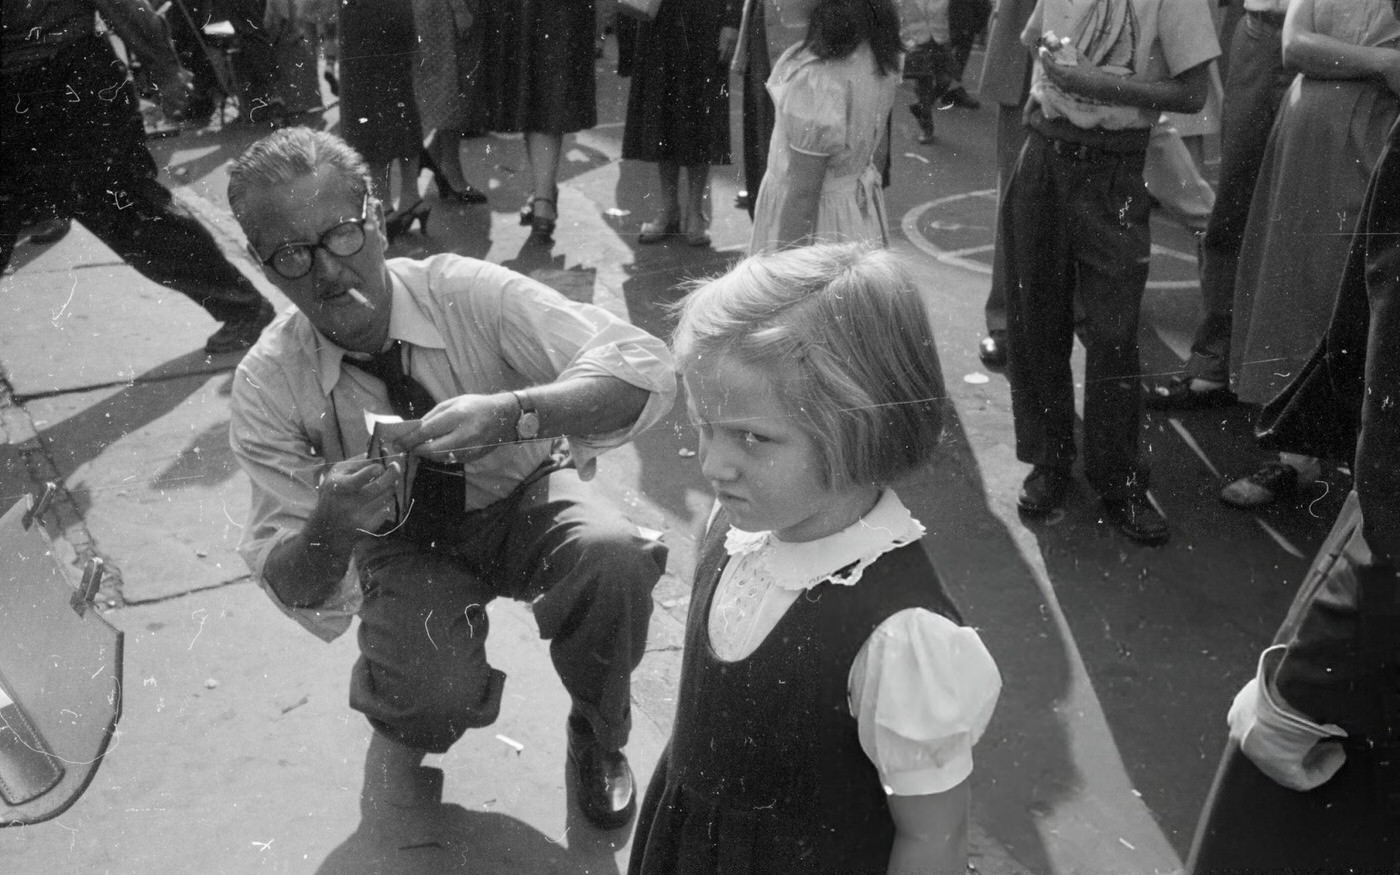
(293, 260)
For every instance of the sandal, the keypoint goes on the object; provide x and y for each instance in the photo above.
(657, 232)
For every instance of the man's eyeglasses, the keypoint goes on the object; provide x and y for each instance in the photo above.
(293, 260)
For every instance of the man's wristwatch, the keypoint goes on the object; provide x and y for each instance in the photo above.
(527, 427)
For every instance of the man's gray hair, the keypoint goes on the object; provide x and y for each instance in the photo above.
(289, 154)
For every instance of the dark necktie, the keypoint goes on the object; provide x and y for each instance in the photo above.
(439, 495)
(406, 395)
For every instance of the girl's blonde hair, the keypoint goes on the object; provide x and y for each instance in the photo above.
(842, 333)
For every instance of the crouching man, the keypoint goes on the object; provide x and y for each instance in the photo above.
(514, 391)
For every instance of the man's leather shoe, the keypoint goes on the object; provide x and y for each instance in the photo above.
(1135, 517)
(1043, 490)
(607, 793)
(992, 349)
(1273, 480)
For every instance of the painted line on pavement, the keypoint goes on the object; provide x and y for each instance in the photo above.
(1191, 442)
(1278, 537)
(1288, 546)
(909, 224)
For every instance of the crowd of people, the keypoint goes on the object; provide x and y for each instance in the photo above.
(831, 694)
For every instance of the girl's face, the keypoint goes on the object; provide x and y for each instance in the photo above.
(764, 469)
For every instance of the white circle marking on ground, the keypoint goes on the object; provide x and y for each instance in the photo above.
(909, 224)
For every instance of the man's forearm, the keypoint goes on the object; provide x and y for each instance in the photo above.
(1184, 94)
(304, 570)
(587, 406)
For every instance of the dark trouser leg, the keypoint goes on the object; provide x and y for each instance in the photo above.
(1011, 135)
(1113, 243)
(758, 108)
(189, 42)
(1039, 307)
(966, 19)
(422, 678)
(256, 60)
(1256, 84)
(99, 144)
(589, 574)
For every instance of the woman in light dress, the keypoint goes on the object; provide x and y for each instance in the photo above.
(833, 92)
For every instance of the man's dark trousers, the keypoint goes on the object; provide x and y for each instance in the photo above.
(1254, 88)
(1075, 224)
(73, 141)
(422, 678)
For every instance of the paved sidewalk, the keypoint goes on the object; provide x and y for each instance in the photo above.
(237, 751)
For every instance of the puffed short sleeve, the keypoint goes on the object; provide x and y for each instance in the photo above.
(815, 107)
(922, 691)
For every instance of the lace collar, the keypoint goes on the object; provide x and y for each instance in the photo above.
(839, 558)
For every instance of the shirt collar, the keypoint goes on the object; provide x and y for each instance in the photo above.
(801, 566)
(407, 322)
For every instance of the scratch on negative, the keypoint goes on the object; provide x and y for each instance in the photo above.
(428, 631)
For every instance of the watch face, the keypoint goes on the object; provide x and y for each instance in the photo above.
(528, 426)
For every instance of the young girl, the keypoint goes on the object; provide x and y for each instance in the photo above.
(832, 93)
(829, 696)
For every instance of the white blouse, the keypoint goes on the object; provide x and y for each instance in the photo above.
(922, 688)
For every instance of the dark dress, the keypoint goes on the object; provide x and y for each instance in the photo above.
(537, 62)
(764, 772)
(446, 73)
(378, 115)
(678, 108)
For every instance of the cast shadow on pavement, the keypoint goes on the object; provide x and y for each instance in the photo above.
(1024, 754)
(72, 442)
(489, 841)
(1162, 631)
(478, 841)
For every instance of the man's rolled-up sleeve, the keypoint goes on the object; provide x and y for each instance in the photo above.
(549, 333)
(282, 468)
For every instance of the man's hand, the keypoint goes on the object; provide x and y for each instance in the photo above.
(463, 428)
(1063, 70)
(358, 495)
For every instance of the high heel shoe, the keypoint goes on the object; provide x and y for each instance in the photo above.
(542, 227)
(400, 221)
(468, 194)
